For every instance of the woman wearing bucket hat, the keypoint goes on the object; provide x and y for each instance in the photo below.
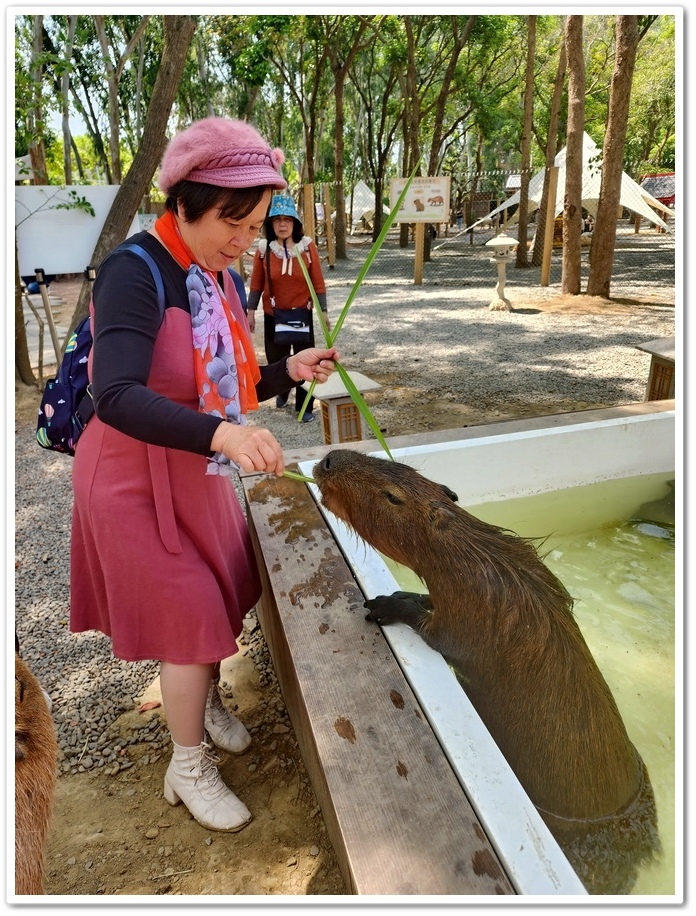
(161, 558)
(283, 286)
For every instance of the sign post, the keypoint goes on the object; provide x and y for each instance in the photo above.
(427, 201)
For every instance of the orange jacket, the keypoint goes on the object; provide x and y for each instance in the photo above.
(287, 280)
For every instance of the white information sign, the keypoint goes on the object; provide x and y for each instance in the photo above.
(55, 236)
(427, 201)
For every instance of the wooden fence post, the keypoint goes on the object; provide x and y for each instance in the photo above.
(328, 225)
(308, 207)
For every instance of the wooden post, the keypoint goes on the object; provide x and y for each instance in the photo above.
(328, 224)
(40, 279)
(419, 242)
(40, 322)
(308, 207)
(240, 267)
(548, 228)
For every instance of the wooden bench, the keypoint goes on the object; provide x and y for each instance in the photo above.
(396, 815)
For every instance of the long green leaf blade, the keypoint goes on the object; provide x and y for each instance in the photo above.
(315, 298)
(365, 411)
(330, 336)
(322, 322)
(306, 400)
(293, 475)
(372, 255)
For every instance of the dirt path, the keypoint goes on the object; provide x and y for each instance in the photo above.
(116, 835)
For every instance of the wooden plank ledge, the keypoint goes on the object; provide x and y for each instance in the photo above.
(396, 814)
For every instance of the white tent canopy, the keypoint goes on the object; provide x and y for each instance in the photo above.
(633, 197)
(364, 202)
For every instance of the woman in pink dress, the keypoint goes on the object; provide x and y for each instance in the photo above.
(161, 558)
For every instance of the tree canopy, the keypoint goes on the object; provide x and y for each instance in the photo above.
(376, 91)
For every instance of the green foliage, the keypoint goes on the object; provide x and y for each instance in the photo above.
(70, 200)
(651, 135)
(272, 70)
(75, 202)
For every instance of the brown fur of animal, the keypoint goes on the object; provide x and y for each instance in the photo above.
(504, 623)
(35, 777)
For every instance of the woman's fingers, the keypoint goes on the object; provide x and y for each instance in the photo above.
(252, 448)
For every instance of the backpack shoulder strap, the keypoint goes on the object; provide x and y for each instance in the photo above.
(85, 408)
(154, 270)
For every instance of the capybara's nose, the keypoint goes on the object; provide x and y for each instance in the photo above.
(452, 495)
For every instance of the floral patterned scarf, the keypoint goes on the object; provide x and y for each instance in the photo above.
(224, 362)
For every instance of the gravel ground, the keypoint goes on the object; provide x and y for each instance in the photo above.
(444, 361)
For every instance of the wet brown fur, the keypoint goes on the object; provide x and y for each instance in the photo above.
(504, 623)
(35, 776)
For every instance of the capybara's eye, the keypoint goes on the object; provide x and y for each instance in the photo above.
(393, 498)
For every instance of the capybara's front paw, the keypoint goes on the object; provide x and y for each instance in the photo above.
(381, 609)
(401, 607)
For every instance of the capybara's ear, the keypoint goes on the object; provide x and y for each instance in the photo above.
(442, 515)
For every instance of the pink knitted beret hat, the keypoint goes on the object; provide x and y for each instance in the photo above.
(221, 152)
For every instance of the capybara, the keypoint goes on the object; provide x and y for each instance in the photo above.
(504, 623)
(35, 779)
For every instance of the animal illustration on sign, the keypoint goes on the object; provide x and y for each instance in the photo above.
(504, 623)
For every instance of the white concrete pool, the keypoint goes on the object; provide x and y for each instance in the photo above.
(636, 453)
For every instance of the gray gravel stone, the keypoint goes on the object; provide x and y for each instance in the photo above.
(438, 340)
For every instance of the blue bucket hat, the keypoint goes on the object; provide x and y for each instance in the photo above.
(283, 205)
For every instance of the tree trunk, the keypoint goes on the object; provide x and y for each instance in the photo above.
(411, 118)
(339, 193)
(23, 370)
(572, 206)
(113, 75)
(65, 100)
(551, 149)
(522, 259)
(604, 233)
(112, 84)
(340, 66)
(178, 33)
(37, 151)
(202, 60)
(459, 40)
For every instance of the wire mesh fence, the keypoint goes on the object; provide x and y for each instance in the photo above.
(644, 261)
(483, 206)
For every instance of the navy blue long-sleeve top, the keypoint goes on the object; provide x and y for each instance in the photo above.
(126, 324)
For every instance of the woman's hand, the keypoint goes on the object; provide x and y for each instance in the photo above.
(251, 320)
(252, 448)
(312, 364)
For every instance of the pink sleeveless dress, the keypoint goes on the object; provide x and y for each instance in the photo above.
(161, 557)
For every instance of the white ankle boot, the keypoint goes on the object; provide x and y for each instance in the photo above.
(225, 730)
(193, 778)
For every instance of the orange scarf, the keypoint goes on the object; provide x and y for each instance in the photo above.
(224, 361)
